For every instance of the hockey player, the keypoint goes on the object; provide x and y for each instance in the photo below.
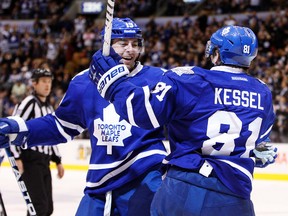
(218, 122)
(123, 173)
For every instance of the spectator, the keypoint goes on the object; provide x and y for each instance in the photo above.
(19, 89)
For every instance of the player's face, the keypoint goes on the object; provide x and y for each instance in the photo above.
(128, 49)
(43, 86)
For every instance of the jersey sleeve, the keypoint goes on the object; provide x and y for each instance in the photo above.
(267, 125)
(56, 156)
(25, 110)
(62, 125)
(151, 106)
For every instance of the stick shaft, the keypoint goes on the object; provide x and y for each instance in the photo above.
(2, 207)
(21, 183)
(108, 27)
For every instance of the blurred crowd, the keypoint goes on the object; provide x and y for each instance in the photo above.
(67, 46)
(144, 8)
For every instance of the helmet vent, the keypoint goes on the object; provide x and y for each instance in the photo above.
(231, 42)
(117, 31)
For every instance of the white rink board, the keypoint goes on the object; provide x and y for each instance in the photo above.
(76, 155)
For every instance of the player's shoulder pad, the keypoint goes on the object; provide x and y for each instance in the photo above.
(81, 79)
(80, 73)
(263, 83)
(154, 68)
(79, 84)
(163, 70)
(183, 70)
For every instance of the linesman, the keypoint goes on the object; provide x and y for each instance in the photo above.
(34, 162)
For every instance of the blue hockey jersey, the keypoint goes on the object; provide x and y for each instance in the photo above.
(217, 115)
(120, 152)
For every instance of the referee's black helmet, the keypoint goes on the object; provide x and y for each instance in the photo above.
(41, 72)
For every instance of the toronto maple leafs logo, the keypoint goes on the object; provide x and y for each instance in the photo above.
(226, 31)
(183, 70)
(110, 132)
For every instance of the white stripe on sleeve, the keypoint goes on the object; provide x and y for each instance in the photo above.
(130, 110)
(63, 133)
(69, 125)
(149, 109)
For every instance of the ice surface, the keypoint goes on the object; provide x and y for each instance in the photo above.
(269, 197)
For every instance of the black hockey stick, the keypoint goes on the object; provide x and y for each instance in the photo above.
(21, 184)
(2, 207)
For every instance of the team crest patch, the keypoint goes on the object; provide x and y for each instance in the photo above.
(225, 31)
(183, 70)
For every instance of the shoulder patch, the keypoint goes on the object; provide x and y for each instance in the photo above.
(183, 70)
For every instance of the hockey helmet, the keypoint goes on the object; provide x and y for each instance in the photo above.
(237, 46)
(41, 72)
(125, 28)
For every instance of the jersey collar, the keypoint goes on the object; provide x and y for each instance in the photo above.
(136, 69)
(228, 69)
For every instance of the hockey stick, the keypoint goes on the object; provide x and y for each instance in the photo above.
(108, 27)
(2, 207)
(21, 183)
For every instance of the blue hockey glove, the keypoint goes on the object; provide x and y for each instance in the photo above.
(105, 70)
(16, 128)
(265, 154)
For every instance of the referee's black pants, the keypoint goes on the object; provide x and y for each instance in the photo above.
(37, 177)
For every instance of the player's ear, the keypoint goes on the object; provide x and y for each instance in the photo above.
(215, 58)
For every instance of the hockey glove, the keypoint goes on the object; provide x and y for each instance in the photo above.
(105, 70)
(16, 128)
(265, 154)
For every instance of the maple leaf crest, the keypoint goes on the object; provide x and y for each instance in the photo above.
(110, 132)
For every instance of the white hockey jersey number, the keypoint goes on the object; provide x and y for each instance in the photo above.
(163, 88)
(223, 128)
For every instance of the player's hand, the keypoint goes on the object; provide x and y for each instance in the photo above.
(20, 165)
(265, 154)
(60, 171)
(105, 70)
(101, 64)
(16, 129)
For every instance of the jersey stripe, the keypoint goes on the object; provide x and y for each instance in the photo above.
(149, 109)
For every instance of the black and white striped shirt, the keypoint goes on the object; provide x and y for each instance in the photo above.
(31, 107)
